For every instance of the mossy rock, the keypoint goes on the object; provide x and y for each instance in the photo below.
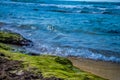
(63, 61)
(4, 46)
(14, 38)
(14, 70)
(50, 66)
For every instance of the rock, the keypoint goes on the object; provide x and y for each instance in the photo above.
(20, 72)
(33, 54)
(14, 38)
(62, 60)
(2, 54)
(12, 70)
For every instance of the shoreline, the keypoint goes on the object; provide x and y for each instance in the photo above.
(107, 70)
(44, 67)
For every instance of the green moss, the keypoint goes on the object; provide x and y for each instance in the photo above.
(50, 66)
(9, 36)
(13, 38)
(64, 61)
(4, 46)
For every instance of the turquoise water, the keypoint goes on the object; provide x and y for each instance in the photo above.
(82, 29)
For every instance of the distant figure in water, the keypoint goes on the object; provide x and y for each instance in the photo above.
(51, 28)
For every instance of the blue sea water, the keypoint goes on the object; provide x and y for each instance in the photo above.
(66, 28)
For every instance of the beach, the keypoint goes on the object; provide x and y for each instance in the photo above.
(104, 69)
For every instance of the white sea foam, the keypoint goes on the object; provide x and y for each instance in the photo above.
(61, 6)
(84, 53)
(102, 8)
(96, 56)
(49, 5)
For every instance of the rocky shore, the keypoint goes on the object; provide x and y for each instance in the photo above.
(13, 70)
(19, 66)
(12, 38)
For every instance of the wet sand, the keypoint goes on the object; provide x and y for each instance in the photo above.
(107, 70)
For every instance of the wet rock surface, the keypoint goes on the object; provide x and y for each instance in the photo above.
(14, 38)
(12, 70)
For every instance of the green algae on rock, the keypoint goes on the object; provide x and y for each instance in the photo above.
(14, 70)
(14, 38)
(62, 60)
(48, 66)
(5, 47)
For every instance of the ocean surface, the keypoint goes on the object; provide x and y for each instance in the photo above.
(65, 28)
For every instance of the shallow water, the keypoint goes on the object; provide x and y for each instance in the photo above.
(83, 29)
